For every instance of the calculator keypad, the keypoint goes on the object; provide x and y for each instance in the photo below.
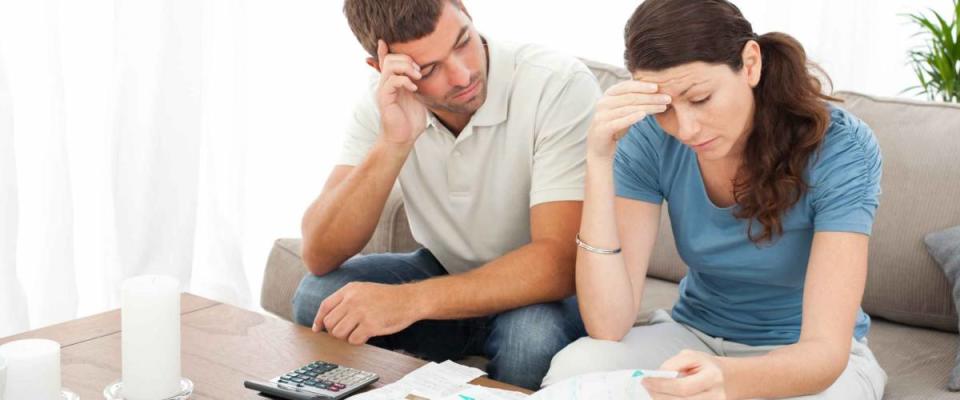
(326, 376)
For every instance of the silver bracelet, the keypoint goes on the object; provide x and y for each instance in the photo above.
(596, 250)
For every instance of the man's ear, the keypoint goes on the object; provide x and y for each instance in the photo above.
(752, 62)
(372, 62)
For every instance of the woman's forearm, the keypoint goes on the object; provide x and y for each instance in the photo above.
(804, 368)
(603, 284)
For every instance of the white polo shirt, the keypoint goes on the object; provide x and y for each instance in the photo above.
(468, 198)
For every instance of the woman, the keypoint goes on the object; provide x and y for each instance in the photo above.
(772, 195)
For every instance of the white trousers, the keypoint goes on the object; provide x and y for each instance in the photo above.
(648, 346)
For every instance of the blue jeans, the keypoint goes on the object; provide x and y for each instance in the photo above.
(519, 343)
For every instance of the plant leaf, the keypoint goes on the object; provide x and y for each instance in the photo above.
(937, 64)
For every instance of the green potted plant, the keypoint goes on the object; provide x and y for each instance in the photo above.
(937, 64)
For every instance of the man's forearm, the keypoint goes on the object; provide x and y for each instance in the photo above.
(538, 272)
(340, 222)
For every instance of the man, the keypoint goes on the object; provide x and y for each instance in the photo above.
(487, 141)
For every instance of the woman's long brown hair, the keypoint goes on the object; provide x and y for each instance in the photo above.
(791, 115)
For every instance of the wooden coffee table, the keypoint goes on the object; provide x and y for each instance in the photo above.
(221, 346)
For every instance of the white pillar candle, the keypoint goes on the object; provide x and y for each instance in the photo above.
(33, 369)
(3, 376)
(150, 319)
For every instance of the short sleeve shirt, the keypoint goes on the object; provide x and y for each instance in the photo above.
(734, 288)
(468, 197)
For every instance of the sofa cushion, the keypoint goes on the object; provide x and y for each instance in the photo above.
(944, 246)
(915, 359)
(607, 75)
(920, 142)
(393, 230)
(657, 294)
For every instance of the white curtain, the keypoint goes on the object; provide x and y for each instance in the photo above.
(13, 313)
(37, 211)
(122, 145)
(182, 137)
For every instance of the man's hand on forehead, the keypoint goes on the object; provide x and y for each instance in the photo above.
(402, 116)
(396, 64)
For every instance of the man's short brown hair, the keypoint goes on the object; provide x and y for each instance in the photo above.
(394, 21)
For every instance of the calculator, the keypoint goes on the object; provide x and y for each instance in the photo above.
(315, 381)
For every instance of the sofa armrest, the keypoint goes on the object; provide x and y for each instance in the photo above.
(285, 268)
(281, 278)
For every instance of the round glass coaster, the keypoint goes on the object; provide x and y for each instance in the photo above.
(115, 390)
(66, 394)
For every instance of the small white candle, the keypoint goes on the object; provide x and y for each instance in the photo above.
(3, 376)
(33, 369)
(150, 323)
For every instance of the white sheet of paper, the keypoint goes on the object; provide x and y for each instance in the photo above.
(509, 394)
(431, 381)
(616, 385)
(474, 392)
(434, 381)
(392, 391)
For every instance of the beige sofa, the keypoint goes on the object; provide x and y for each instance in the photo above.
(914, 320)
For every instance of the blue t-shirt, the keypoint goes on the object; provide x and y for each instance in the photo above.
(734, 288)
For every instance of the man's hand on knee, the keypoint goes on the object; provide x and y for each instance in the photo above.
(361, 310)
